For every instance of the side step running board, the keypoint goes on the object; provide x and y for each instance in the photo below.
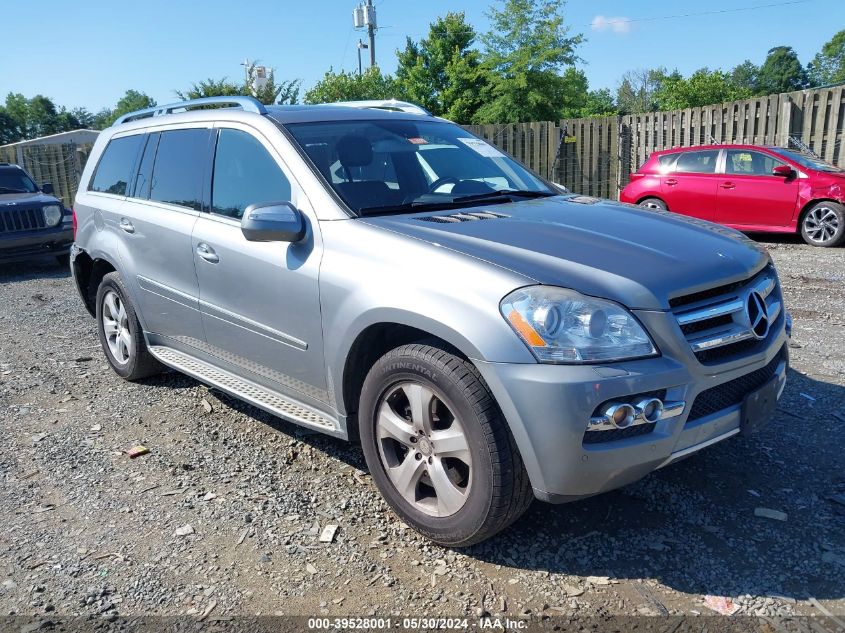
(249, 391)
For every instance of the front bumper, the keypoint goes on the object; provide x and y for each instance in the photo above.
(548, 408)
(37, 243)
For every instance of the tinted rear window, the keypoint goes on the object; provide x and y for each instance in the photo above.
(114, 170)
(179, 166)
(703, 162)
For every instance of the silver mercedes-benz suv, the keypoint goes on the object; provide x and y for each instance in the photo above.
(385, 276)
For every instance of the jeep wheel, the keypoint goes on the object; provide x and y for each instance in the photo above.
(120, 332)
(824, 224)
(438, 448)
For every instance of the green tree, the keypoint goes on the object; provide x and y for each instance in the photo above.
(132, 100)
(10, 130)
(746, 75)
(349, 86)
(781, 72)
(442, 72)
(211, 88)
(701, 88)
(638, 89)
(526, 50)
(595, 103)
(828, 66)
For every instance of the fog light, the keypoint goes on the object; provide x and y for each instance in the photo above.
(621, 415)
(650, 409)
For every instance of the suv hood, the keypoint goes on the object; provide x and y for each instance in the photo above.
(10, 199)
(637, 257)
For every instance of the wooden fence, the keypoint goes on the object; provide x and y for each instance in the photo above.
(59, 164)
(595, 156)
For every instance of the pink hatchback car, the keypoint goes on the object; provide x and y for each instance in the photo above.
(746, 187)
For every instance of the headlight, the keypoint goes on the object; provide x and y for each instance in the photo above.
(52, 214)
(563, 326)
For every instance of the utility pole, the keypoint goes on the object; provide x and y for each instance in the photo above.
(364, 15)
(360, 46)
(370, 15)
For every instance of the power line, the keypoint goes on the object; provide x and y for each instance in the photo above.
(700, 13)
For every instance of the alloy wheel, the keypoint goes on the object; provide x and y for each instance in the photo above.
(116, 327)
(821, 224)
(424, 449)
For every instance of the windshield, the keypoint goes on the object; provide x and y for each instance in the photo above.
(805, 160)
(386, 166)
(14, 180)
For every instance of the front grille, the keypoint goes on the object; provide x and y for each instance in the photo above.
(732, 393)
(16, 220)
(710, 293)
(716, 322)
(599, 437)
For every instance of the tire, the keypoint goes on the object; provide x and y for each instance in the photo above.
(655, 204)
(459, 499)
(823, 224)
(116, 313)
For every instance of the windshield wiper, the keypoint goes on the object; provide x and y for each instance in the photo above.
(501, 195)
(12, 190)
(505, 193)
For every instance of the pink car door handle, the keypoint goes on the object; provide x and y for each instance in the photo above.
(728, 185)
(671, 182)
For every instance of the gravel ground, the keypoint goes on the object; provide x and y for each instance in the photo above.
(224, 514)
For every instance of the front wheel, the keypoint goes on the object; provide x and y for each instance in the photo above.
(824, 224)
(438, 448)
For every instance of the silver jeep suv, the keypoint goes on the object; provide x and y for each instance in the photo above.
(386, 276)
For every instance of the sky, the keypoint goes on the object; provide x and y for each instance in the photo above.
(89, 52)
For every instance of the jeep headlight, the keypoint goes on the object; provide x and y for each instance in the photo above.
(563, 326)
(52, 214)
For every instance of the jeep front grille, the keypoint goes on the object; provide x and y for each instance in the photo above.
(14, 220)
(717, 323)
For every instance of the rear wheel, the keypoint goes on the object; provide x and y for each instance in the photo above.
(653, 204)
(120, 332)
(438, 448)
(824, 224)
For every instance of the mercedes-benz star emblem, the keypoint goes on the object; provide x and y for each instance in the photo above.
(758, 315)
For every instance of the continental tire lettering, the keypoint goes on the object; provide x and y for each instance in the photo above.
(410, 366)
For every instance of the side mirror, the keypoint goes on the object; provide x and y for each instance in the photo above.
(784, 171)
(47, 188)
(273, 222)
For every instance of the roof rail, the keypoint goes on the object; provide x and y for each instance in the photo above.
(247, 104)
(385, 104)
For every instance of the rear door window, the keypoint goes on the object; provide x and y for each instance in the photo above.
(179, 167)
(114, 171)
(703, 162)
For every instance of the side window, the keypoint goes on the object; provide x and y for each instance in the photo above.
(744, 162)
(666, 162)
(703, 162)
(114, 171)
(179, 164)
(142, 182)
(244, 174)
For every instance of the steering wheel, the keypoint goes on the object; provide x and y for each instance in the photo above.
(433, 187)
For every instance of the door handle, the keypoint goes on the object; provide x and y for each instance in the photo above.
(126, 225)
(671, 182)
(728, 185)
(207, 253)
